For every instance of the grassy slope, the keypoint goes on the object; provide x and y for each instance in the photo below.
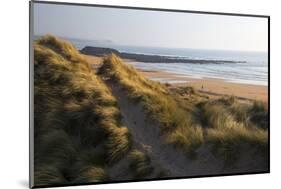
(78, 129)
(178, 126)
(232, 125)
(77, 121)
(228, 124)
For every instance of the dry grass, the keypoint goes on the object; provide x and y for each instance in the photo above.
(175, 123)
(77, 121)
(78, 129)
(139, 164)
(92, 174)
(230, 129)
(182, 113)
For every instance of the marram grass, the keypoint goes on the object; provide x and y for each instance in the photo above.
(174, 122)
(78, 130)
(75, 114)
(227, 123)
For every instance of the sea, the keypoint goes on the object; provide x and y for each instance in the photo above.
(249, 67)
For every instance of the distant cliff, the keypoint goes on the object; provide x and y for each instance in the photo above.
(100, 51)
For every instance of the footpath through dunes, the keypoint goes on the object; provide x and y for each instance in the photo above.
(188, 137)
(108, 123)
(148, 133)
(147, 136)
(148, 139)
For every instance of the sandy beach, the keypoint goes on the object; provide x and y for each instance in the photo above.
(93, 60)
(213, 87)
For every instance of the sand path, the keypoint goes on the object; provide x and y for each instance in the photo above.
(148, 139)
(147, 135)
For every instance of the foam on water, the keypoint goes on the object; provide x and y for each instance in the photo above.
(253, 70)
(244, 73)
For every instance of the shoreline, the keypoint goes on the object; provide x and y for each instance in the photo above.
(214, 88)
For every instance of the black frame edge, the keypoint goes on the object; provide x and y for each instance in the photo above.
(31, 95)
(150, 9)
(268, 93)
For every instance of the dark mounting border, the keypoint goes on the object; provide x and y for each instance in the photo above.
(149, 9)
(31, 94)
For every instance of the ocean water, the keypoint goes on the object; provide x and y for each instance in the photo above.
(246, 73)
(253, 70)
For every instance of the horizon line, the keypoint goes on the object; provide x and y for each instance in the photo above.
(164, 47)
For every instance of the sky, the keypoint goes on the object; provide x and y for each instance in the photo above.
(152, 28)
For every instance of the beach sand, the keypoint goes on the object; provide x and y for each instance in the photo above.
(95, 61)
(214, 88)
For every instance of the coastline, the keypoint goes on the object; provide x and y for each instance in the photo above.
(214, 88)
(153, 58)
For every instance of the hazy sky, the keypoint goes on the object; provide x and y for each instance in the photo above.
(152, 28)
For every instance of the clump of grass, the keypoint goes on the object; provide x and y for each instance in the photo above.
(186, 96)
(47, 175)
(230, 135)
(229, 143)
(66, 49)
(55, 145)
(77, 121)
(259, 114)
(259, 106)
(139, 163)
(119, 143)
(216, 116)
(183, 138)
(184, 90)
(241, 113)
(92, 174)
(251, 113)
(227, 100)
(159, 105)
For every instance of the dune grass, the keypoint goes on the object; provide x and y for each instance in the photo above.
(230, 129)
(77, 121)
(183, 114)
(77, 124)
(92, 174)
(174, 122)
(259, 114)
(139, 164)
